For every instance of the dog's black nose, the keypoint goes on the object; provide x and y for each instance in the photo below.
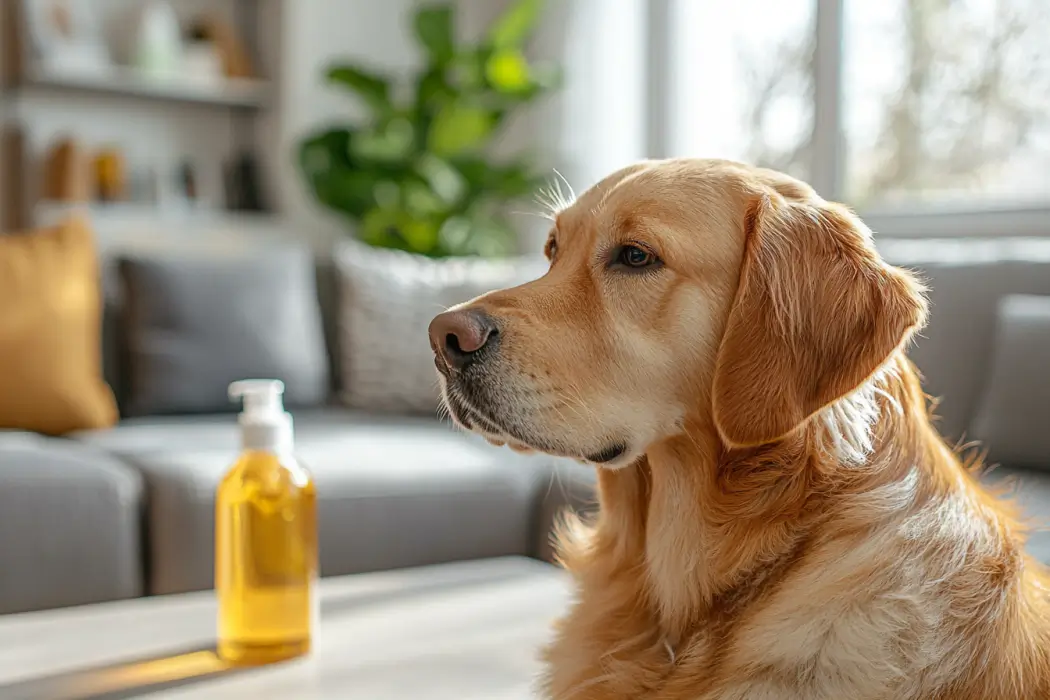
(457, 337)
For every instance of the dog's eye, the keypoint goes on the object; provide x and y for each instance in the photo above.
(635, 257)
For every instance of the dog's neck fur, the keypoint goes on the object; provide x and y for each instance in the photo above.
(720, 524)
(715, 531)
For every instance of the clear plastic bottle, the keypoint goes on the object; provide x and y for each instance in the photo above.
(266, 538)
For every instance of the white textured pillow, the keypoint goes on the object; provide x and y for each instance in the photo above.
(387, 300)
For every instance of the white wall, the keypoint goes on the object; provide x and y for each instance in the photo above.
(591, 128)
(315, 34)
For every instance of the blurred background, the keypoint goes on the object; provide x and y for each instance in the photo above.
(915, 106)
(199, 191)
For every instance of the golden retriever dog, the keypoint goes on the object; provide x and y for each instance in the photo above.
(778, 518)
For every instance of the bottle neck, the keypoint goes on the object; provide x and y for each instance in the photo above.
(266, 437)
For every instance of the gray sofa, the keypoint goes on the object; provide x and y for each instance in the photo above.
(127, 512)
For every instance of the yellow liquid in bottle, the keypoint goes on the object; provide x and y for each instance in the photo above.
(266, 559)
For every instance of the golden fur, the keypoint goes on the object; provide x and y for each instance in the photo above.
(783, 523)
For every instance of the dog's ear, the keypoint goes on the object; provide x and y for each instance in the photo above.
(816, 313)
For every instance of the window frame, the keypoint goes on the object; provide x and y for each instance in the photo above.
(989, 219)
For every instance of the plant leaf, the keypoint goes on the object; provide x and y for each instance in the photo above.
(443, 178)
(513, 28)
(508, 71)
(391, 143)
(509, 181)
(325, 150)
(325, 161)
(349, 192)
(373, 89)
(455, 233)
(387, 194)
(420, 200)
(460, 128)
(418, 178)
(432, 89)
(379, 228)
(433, 25)
(468, 70)
(419, 233)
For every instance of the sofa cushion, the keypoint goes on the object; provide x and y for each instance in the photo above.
(50, 332)
(387, 301)
(391, 492)
(967, 278)
(1030, 489)
(196, 320)
(1013, 420)
(70, 519)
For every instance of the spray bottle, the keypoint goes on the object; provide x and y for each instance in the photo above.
(266, 537)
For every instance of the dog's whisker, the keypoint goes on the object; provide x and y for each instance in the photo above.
(572, 193)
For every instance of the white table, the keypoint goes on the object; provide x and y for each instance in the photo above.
(456, 631)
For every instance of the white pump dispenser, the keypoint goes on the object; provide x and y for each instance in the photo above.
(265, 425)
(265, 537)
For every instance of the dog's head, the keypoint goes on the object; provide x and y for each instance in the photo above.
(683, 289)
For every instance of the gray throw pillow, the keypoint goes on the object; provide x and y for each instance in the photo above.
(196, 320)
(1013, 418)
(387, 299)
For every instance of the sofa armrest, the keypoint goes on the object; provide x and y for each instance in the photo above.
(70, 525)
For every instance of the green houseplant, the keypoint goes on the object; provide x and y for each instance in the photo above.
(415, 173)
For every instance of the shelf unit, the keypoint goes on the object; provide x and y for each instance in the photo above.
(24, 79)
(127, 82)
(120, 226)
(47, 212)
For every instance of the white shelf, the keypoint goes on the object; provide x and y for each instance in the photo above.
(136, 214)
(131, 226)
(127, 82)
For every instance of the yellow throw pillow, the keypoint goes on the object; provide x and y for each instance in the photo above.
(51, 332)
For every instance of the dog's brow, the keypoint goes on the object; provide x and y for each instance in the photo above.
(632, 224)
(627, 223)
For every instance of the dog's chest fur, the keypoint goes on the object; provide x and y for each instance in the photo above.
(870, 615)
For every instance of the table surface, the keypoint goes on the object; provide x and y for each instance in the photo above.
(466, 630)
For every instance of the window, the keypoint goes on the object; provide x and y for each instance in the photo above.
(743, 89)
(947, 100)
(905, 109)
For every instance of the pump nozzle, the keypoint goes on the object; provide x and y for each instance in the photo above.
(261, 396)
(264, 423)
